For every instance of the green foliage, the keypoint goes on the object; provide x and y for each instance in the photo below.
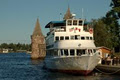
(107, 29)
(115, 4)
(101, 34)
(16, 47)
(106, 32)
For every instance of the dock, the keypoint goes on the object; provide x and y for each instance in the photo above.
(111, 66)
(108, 69)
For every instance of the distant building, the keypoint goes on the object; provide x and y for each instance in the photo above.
(5, 50)
(38, 43)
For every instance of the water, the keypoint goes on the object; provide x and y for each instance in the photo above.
(19, 66)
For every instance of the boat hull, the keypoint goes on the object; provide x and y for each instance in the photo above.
(76, 64)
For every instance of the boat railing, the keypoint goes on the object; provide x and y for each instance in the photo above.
(60, 29)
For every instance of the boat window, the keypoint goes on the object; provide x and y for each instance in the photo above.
(80, 23)
(82, 38)
(66, 37)
(69, 22)
(80, 51)
(61, 52)
(72, 37)
(72, 52)
(83, 51)
(89, 51)
(94, 50)
(56, 38)
(66, 52)
(91, 38)
(77, 37)
(87, 38)
(61, 38)
(47, 53)
(55, 52)
(75, 22)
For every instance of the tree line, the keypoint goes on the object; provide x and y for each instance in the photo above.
(107, 28)
(16, 47)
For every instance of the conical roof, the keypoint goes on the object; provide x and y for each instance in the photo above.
(68, 14)
(37, 29)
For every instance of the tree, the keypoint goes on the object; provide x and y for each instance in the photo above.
(112, 18)
(115, 4)
(16, 47)
(101, 34)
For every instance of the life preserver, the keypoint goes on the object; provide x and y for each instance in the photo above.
(90, 30)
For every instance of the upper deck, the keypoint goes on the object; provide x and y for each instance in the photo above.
(74, 26)
(70, 30)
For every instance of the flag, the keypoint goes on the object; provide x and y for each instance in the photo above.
(79, 30)
(76, 28)
(90, 30)
(71, 29)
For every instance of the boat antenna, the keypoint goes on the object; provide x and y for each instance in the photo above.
(60, 16)
(82, 13)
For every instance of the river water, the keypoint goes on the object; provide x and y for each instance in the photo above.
(19, 66)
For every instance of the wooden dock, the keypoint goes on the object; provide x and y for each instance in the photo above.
(109, 66)
(108, 69)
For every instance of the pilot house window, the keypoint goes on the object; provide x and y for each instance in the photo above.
(80, 23)
(69, 22)
(75, 22)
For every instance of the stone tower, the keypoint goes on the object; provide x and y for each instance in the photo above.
(68, 14)
(38, 43)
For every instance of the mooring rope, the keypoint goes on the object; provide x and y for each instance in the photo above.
(106, 72)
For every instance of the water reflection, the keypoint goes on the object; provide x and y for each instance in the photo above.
(63, 76)
(37, 61)
(45, 74)
(19, 66)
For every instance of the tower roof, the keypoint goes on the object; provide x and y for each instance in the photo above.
(68, 14)
(37, 29)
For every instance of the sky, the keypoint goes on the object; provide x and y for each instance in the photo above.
(18, 17)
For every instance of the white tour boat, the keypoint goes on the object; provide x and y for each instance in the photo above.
(70, 46)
